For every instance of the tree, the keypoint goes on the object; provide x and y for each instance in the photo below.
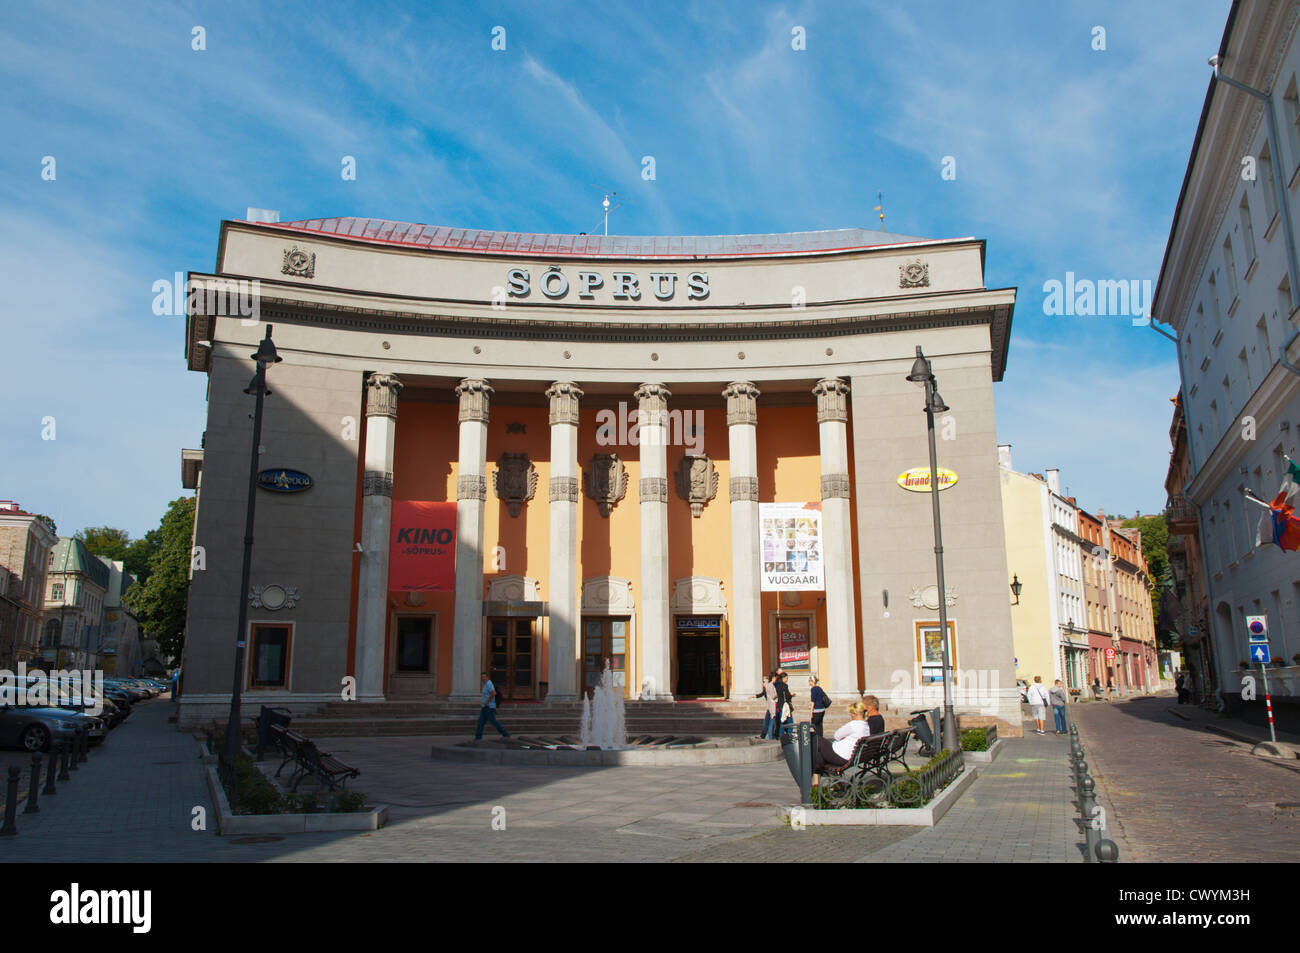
(160, 601)
(140, 552)
(1155, 536)
(106, 541)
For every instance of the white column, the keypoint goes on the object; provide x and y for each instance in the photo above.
(376, 524)
(562, 623)
(471, 490)
(656, 660)
(837, 545)
(746, 580)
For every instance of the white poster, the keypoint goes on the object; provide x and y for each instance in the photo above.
(790, 547)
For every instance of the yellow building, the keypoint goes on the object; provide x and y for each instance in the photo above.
(1027, 524)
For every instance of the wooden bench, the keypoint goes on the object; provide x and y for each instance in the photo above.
(871, 757)
(310, 761)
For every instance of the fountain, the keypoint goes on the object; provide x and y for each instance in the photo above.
(603, 724)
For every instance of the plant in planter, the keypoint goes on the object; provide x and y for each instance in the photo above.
(974, 739)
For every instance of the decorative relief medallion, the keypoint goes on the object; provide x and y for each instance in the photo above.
(515, 480)
(298, 263)
(743, 488)
(697, 482)
(928, 597)
(516, 427)
(273, 597)
(835, 486)
(653, 489)
(605, 481)
(374, 483)
(471, 487)
(564, 489)
(914, 274)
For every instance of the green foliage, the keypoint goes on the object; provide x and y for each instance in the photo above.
(347, 802)
(107, 541)
(160, 600)
(974, 739)
(256, 794)
(48, 521)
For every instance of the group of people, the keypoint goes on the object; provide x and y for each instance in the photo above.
(1039, 697)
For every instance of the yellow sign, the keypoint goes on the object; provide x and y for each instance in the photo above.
(917, 479)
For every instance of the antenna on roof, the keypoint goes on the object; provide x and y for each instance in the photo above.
(609, 193)
(881, 209)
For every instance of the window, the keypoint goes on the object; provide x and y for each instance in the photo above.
(1247, 232)
(1215, 304)
(1230, 268)
(1263, 345)
(1245, 371)
(269, 658)
(56, 592)
(1268, 185)
(414, 635)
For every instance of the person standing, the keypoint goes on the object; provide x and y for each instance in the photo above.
(1058, 698)
(875, 720)
(767, 692)
(1038, 704)
(820, 701)
(784, 704)
(1180, 683)
(488, 711)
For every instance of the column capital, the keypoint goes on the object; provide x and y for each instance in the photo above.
(381, 395)
(564, 396)
(475, 398)
(832, 399)
(742, 407)
(652, 398)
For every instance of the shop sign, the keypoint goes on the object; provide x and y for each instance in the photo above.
(917, 479)
(284, 481)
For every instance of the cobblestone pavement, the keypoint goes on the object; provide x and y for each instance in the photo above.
(1180, 793)
(134, 801)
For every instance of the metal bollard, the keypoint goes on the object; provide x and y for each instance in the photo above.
(11, 801)
(84, 755)
(74, 749)
(50, 790)
(63, 761)
(805, 763)
(35, 786)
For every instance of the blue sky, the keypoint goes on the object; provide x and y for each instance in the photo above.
(1067, 159)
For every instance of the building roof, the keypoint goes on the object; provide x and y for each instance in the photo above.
(443, 238)
(72, 553)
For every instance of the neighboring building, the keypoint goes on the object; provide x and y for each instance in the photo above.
(120, 644)
(25, 544)
(77, 585)
(493, 375)
(1228, 287)
(1133, 619)
(1189, 608)
(1041, 527)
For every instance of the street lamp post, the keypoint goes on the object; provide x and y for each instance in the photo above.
(922, 374)
(264, 357)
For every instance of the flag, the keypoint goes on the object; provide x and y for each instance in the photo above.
(1279, 524)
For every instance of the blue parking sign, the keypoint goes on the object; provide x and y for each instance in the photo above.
(1260, 654)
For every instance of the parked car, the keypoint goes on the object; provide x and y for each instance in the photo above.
(133, 692)
(32, 729)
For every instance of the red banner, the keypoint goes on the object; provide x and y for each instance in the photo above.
(422, 551)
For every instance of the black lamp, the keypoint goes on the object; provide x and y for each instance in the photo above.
(1016, 586)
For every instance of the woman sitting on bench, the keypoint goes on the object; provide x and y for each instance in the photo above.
(837, 753)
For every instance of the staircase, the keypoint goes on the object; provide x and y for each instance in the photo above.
(392, 718)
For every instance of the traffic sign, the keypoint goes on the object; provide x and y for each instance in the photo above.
(1110, 655)
(1260, 654)
(1257, 626)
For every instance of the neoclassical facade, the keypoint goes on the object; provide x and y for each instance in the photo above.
(603, 424)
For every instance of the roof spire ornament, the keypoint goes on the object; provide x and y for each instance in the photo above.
(881, 209)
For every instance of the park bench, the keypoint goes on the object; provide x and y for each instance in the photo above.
(310, 761)
(841, 784)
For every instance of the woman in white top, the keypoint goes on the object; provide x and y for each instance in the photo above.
(839, 751)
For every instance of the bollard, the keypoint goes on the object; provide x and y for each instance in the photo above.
(49, 774)
(84, 755)
(1086, 787)
(74, 749)
(34, 787)
(11, 801)
(1107, 852)
(805, 763)
(63, 761)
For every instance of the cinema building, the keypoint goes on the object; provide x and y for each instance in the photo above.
(685, 458)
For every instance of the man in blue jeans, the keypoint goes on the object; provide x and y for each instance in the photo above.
(488, 712)
(1058, 699)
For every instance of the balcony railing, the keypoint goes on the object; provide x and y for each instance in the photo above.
(1180, 515)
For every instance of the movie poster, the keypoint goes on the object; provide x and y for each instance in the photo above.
(790, 547)
(422, 553)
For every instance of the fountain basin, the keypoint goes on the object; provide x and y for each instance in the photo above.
(566, 751)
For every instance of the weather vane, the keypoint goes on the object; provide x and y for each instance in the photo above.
(881, 209)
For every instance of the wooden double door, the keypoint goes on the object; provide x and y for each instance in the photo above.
(512, 657)
(604, 638)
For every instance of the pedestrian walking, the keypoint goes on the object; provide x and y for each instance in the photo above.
(769, 696)
(1180, 682)
(1038, 704)
(488, 711)
(773, 695)
(1058, 698)
(875, 720)
(784, 704)
(1096, 688)
(819, 701)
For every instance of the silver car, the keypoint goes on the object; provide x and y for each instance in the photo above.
(32, 729)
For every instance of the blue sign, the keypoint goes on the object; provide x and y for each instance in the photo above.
(1260, 654)
(284, 481)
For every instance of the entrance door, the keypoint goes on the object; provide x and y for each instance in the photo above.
(699, 656)
(604, 638)
(511, 652)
